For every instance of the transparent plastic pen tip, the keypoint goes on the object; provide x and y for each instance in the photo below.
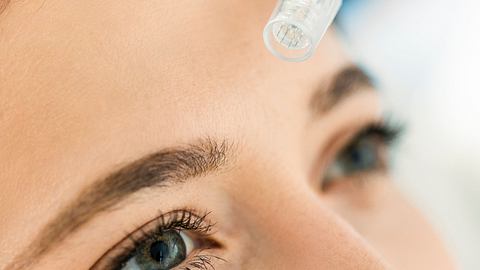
(297, 26)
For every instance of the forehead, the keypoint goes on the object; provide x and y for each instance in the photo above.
(88, 84)
(75, 67)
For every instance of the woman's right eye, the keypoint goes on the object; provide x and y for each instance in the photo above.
(170, 241)
(162, 251)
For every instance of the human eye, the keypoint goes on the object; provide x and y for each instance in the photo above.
(175, 240)
(366, 153)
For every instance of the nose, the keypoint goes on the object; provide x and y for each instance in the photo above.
(290, 228)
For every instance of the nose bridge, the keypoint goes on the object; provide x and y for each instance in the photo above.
(292, 229)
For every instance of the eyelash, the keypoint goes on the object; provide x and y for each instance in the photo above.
(180, 220)
(387, 132)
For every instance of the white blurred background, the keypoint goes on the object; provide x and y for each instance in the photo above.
(425, 55)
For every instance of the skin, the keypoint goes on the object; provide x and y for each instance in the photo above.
(89, 86)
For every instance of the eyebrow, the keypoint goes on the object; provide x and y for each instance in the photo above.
(161, 169)
(346, 82)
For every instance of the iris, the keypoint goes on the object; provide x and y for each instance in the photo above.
(362, 156)
(162, 252)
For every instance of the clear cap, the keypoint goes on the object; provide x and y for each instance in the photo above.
(297, 26)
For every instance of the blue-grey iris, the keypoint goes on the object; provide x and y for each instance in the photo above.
(162, 252)
(362, 156)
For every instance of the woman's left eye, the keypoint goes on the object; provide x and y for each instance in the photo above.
(167, 242)
(365, 153)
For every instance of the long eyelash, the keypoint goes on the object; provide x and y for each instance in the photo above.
(181, 219)
(185, 219)
(387, 131)
(202, 262)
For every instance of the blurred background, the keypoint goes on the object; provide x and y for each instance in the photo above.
(424, 55)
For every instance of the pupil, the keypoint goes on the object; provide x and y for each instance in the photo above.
(164, 251)
(159, 251)
(363, 156)
(356, 156)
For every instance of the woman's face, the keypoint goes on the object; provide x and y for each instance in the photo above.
(153, 135)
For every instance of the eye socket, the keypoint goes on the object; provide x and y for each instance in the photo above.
(169, 241)
(365, 153)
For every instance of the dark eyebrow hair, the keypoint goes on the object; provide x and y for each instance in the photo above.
(156, 170)
(347, 81)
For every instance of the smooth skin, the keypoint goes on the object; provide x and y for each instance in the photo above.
(88, 86)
